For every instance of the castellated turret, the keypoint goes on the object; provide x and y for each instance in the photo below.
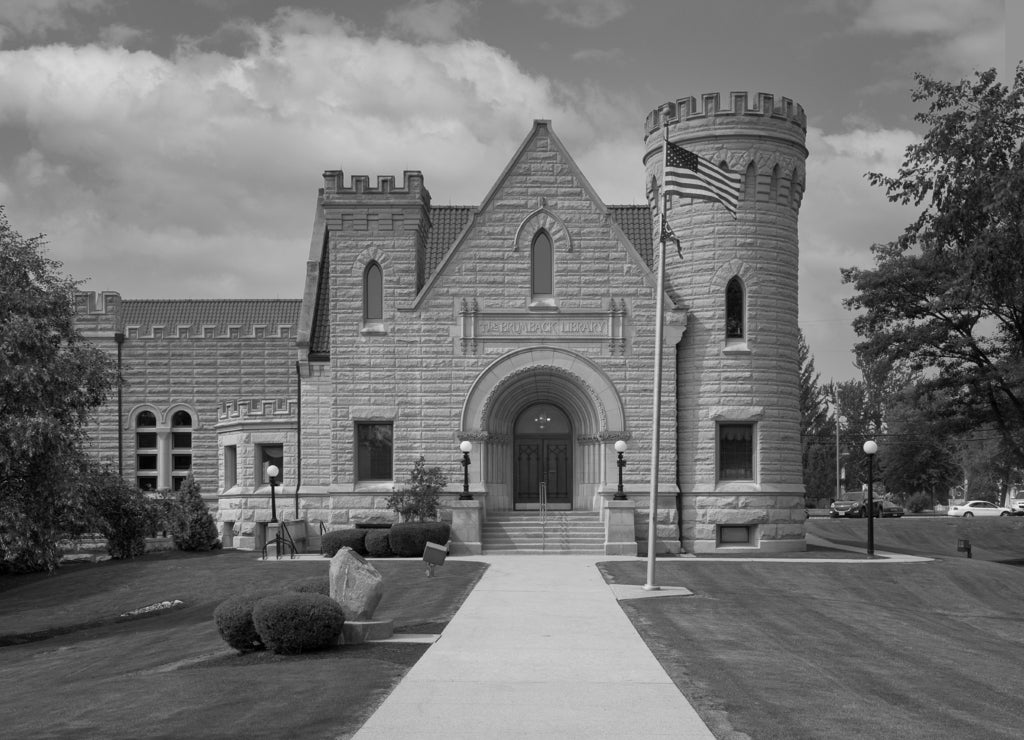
(738, 413)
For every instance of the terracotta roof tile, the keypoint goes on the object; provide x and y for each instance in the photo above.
(447, 223)
(635, 222)
(221, 313)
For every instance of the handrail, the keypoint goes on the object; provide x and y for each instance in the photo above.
(323, 531)
(543, 502)
(279, 540)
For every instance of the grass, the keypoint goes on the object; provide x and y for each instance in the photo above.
(71, 665)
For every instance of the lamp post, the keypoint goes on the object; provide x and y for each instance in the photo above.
(272, 471)
(466, 446)
(840, 420)
(870, 448)
(620, 447)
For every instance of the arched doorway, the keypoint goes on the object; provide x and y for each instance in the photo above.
(543, 454)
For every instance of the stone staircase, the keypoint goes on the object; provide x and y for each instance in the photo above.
(526, 533)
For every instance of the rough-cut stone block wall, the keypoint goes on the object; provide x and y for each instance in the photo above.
(755, 379)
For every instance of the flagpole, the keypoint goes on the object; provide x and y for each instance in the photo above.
(659, 331)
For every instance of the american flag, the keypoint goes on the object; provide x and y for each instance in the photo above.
(692, 176)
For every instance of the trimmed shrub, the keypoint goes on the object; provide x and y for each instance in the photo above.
(192, 525)
(233, 618)
(377, 545)
(338, 538)
(919, 502)
(313, 585)
(418, 499)
(409, 539)
(298, 622)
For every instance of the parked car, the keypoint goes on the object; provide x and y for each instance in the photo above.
(1017, 506)
(978, 508)
(859, 507)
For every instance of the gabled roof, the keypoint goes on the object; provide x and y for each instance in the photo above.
(220, 313)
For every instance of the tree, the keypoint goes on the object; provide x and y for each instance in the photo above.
(816, 430)
(192, 525)
(50, 381)
(419, 498)
(944, 303)
(120, 512)
(919, 454)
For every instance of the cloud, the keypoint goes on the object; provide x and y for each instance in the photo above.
(35, 18)
(583, 13)
(435, 20)
(841, 216)
(961, 35)
(196, 174)
(119, 34)
(598, 55)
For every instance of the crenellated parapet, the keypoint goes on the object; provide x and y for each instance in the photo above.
(765, 107)
(412, 185)
(98, 314)
(257, 409)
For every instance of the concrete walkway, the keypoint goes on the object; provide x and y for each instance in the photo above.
(539, 649)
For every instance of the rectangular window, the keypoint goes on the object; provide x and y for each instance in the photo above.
(181, 440)
(267, 455)
(146, 482)
(145, 440)
(181, 462)
(735, 451)
(374, 451)
(730, 534)
(230, 466)
(146, 462)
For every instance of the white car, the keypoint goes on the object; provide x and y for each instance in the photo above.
(978, 508)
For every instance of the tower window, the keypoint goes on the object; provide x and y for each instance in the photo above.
(373, 293)
(735, 452)
(734, 309)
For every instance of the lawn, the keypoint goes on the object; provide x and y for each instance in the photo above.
(848, 651)
(72, 666)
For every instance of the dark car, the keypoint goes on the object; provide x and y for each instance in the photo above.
(859, 507)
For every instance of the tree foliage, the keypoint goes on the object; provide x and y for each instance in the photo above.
(816, 430)
(50, 381)
(120, 512)
(944, 304)
(419, 498)
(192, 525)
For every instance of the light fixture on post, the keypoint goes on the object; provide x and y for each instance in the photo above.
(272, 471)
(466, 446)
(840, 420)
(870, 448)
(620, 447)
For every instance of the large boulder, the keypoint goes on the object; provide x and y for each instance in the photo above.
(355, 584)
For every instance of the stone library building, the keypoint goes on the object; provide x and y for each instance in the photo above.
(510, 343)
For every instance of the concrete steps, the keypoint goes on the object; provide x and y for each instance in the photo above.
(525, 532)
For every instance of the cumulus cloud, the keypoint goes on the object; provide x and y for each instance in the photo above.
(161, 164)
(842, 215)
(583, 13)
(435, 20)
(36, 17)
(965, 34)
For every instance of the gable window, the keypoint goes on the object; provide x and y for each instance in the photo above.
(373, 293)
(735, 452)
(374, 451)
(542, 267)
(734, 309)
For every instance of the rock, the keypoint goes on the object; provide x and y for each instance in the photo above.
(355, 584)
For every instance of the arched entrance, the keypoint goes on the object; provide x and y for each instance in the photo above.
(543, 450)
(515, 454)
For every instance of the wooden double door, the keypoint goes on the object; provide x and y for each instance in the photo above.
(543, 462)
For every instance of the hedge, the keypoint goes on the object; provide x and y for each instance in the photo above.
(338, 538)
(409, 539)
(377, 545)
(298, 622)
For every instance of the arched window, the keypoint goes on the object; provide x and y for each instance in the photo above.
(734, 309)
(373, 293)
(181, 448)
(145, 451)
(750, 183)
(542, 267)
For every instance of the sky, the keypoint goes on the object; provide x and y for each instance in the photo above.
(173, 149)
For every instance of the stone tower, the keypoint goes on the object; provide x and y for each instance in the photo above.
(738, 413)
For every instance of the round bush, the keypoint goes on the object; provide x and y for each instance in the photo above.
(409, 539)
(339, 538)
(313, 585)
(298, 622)
(377, 545)
(233, 618)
